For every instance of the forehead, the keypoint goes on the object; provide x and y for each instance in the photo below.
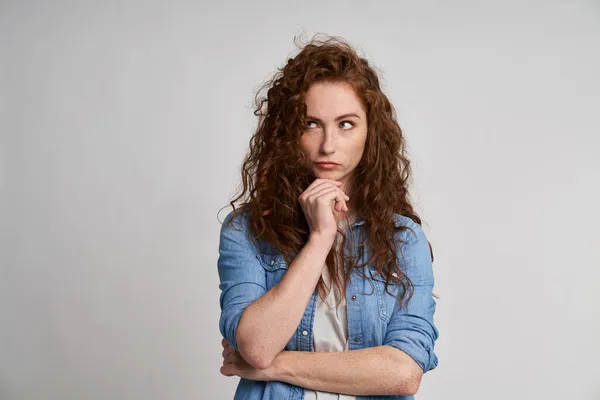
(330, 99)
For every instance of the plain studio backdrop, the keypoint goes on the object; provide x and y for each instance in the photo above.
(123, 126)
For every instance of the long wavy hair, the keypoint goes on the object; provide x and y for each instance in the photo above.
(275, 171)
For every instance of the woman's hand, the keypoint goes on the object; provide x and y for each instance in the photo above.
(234, 364)
(319, 202)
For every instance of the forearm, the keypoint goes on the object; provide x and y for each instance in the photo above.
(380, 370)
(267, 324)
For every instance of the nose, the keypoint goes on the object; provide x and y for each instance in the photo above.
(328, 143)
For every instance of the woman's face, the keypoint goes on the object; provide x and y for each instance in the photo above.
(335, 131)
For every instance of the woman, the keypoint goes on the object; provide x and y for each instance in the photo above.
(325, 273)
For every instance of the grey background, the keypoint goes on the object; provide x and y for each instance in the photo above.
(123, 125)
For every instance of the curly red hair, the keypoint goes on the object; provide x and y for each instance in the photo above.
(275, 171)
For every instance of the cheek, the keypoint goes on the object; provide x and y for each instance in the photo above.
(306, 145)
(358, 148)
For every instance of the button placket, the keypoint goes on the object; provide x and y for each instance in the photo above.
(304, 332)
(355, 323)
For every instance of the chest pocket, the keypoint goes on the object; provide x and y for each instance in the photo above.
(274, 266)
(386, 301)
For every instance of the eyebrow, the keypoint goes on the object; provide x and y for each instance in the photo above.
(337, 119)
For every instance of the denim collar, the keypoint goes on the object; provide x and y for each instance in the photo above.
(356, 220)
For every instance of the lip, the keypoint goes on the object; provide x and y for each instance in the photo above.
(327, 165)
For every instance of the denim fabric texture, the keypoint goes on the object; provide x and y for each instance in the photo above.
(248, 268)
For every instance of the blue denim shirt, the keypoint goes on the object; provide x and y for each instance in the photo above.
(248, 268)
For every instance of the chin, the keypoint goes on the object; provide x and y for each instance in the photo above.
(327, 174)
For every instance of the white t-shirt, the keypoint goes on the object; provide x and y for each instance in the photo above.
(330, 329)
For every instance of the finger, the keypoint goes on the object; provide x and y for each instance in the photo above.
(235, 357)
(333, 194)
(327, 193)
(338, 200)
(341, 206)
(344, 204)
(320, 192)
(228, 347)
(228, 370)
(326, 190)
(228, 350)
(228, 359)
(318, 184)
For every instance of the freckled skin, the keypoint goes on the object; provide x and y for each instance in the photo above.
(342, 141)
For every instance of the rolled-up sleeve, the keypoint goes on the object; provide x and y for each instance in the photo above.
(411, 329)
(242, 278)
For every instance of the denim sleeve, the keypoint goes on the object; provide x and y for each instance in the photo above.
(411, 328)
(242, 278)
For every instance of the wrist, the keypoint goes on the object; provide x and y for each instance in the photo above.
(280, 367)
(321, 241)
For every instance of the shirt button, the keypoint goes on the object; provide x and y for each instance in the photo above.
(353, 297)
(357, 339)
(272, 262)
(305, 333)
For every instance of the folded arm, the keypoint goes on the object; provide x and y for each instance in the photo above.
(398, 365)
(395, 368)
(256, 321)
(380, 370)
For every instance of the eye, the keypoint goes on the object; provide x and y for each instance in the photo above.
(347, 122)
(310, 122)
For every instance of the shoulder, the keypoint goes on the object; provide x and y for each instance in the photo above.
(236, 229)
(409, 231)
(238, 217)
(235, 226)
